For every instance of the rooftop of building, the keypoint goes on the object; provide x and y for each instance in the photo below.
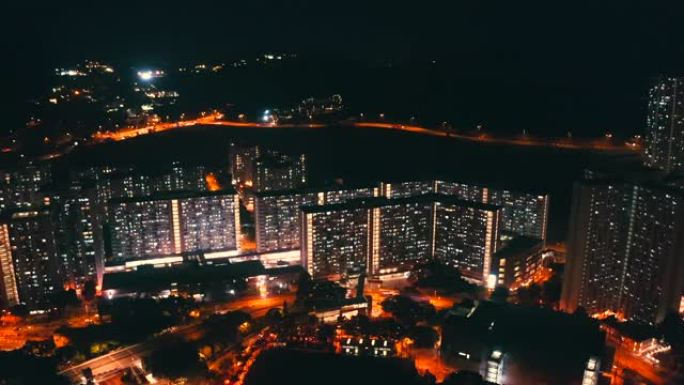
(120, 173)
(342, 187)
(491, 184)
(643, 177)
(314, 189)
(151, 279)
(283, 270)
(519, 245)
(507, 323)
(385, 202)
(408, 181)
(549, 341)
(163, 196)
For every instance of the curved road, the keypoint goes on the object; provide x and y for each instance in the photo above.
(216, 120)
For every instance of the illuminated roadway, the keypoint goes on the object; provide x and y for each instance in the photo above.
(574, 144)
(655, 374)
(109, 365)
(216, 120)
(208, 120)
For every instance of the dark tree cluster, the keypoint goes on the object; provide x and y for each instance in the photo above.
(319, 293)
(131, 320)
(499, 294)
(175, 359)
(464, 377)
(423, 336)
(302, 367)
(438, 276)
(18, 368)
(529, 295)
(89, 290)
(222, 331)
(672, 330)
(547, 294)
(62, 299)
(408, 311)
(155, 314)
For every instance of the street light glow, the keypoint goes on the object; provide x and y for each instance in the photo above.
(145, 75)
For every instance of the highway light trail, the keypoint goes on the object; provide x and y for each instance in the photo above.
(528, 141)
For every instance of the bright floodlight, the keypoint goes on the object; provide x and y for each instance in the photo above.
(145, 75)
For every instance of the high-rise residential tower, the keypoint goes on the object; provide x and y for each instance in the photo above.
(664, 140)
(78, 232)
(277, 213)
(30, 269)
(174, 224)
(383, 236)
(467, 234)
(21, 187)
(258, 169)
(625, 250)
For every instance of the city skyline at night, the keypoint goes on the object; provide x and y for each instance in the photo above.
(261, 193)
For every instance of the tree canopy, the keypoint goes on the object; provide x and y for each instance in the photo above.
(408, 311)
(441, 277)
(174, 360)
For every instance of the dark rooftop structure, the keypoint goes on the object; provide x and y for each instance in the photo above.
(542, 342)
(287, 269)
(150, 279)
(517, 245)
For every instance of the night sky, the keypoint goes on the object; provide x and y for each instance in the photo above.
(589, 63)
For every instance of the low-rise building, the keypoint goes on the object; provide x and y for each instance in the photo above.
(517, 263)
(514, 344)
